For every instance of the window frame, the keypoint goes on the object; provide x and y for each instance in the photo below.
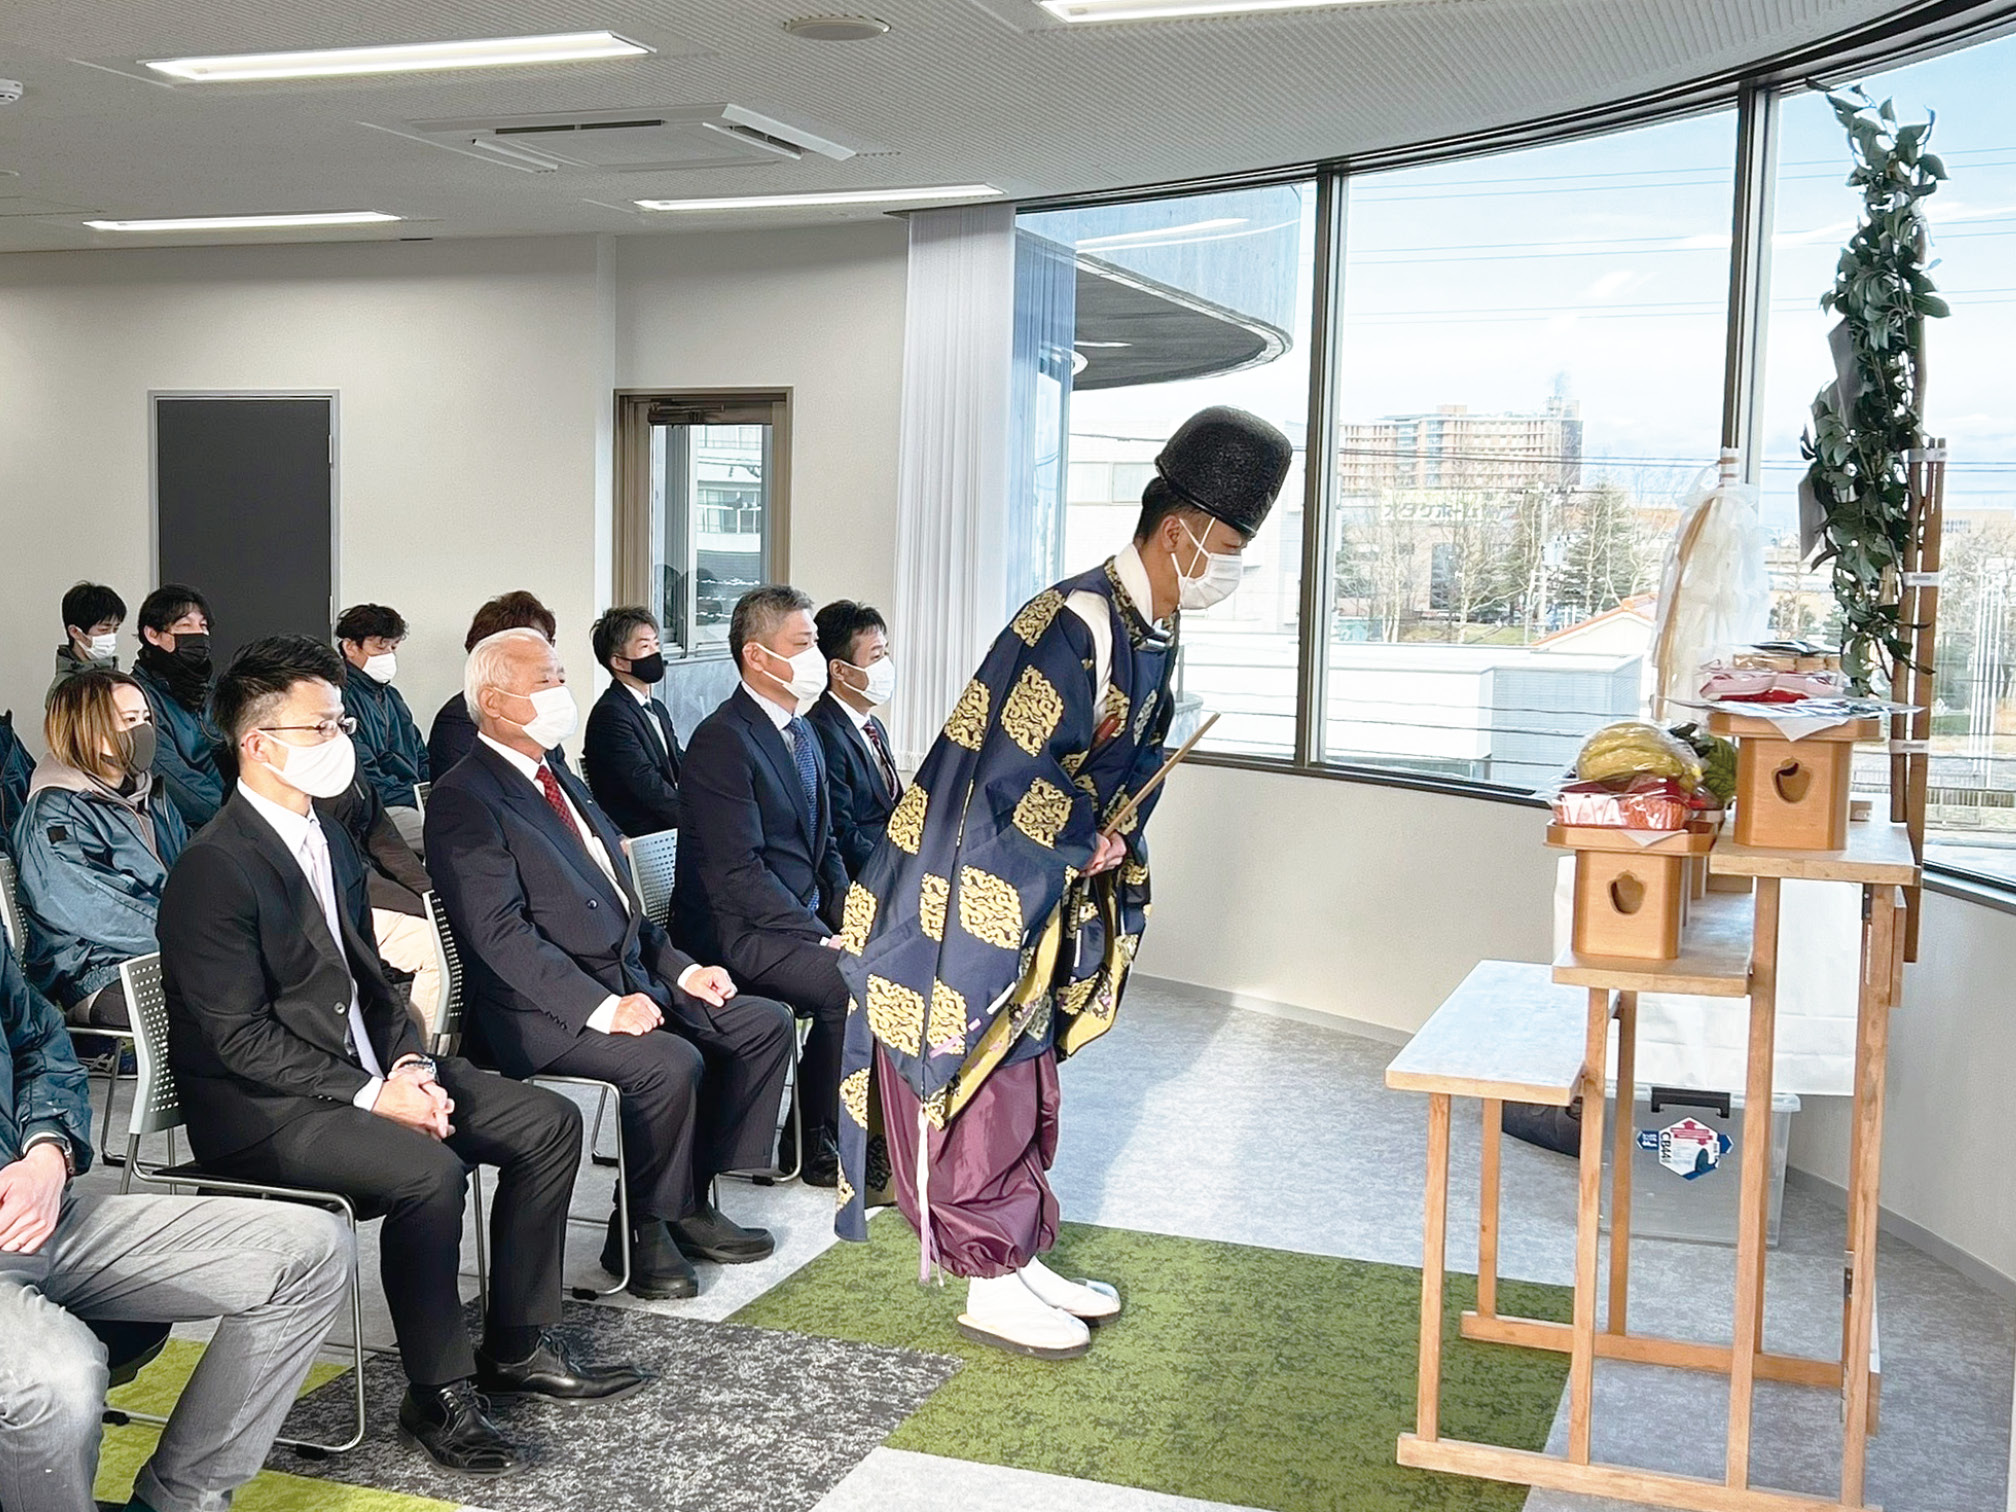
(1756, 91)
(631, 544)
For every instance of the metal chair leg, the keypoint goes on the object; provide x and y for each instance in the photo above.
(482, 1245)
(595, 1156)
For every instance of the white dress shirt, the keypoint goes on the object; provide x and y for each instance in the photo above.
(778, 716)
(603, 1019)
(859, 720)
(644, 698)
(302, 838)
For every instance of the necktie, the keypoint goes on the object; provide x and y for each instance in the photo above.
(808, 769)
(889, 779)
(550, 786)
(322, 881)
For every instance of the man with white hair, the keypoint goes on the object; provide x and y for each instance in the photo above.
(565, 973)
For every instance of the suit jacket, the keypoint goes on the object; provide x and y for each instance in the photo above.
(544, 936)
(634, 774)
(861, 801)
(258, 994)
(748, 861)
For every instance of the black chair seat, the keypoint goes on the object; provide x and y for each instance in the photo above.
(129, 1347)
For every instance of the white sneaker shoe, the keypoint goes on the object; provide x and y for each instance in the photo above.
(1005, 1313)
(1093, 1302)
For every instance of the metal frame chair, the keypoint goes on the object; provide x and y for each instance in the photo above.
(654, 861)
(14, 923)
(420, 792)
(448, 1040)
(157, 1109)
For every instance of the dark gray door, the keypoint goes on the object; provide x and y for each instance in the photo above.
(243, 492)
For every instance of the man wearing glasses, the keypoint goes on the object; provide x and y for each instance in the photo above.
(298, 1065)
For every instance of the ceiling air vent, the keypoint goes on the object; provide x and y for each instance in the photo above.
(638, 140)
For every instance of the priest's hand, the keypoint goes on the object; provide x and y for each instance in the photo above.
(1109, 853)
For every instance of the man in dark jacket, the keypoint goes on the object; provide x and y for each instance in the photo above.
(860, 765)
(273, 1274)
(631, 754)
(92, 615)
(174, 671)
(298, 1066)
(760, 882)
(391, 756)
(454, 730)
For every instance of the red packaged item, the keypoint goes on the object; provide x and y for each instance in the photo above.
(1645, 803)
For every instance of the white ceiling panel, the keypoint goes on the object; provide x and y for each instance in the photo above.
(958, 91)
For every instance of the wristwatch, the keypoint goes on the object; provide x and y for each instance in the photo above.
(62, 1145)
(425, 1063)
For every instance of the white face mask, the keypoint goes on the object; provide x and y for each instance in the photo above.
(320, 771)
(104, 647)
(808, 672)
(881, 677)
(554, 716)
(381, 668)
(1221, 575)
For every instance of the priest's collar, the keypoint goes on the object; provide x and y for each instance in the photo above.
(1135, 594)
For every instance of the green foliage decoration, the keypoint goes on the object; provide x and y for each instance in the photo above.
(1864, 427)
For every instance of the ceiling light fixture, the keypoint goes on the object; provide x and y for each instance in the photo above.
(399, 57)
(1164, 10)
(835, 197)
(247, 222)
(837, 28)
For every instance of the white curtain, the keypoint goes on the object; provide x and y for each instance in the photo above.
(953, 473)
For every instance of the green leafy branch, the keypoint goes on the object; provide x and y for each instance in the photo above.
(1864, 428)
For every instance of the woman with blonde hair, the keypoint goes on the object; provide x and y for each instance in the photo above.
(95, 844)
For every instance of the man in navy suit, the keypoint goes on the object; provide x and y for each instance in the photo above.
(566, 974)
(760, 881)
(860, 764)
(631, 755)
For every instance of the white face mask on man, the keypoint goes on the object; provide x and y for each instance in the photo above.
(808, 672)
(382, 667)
(1221, 575)
(554, 716)
(104, 647)
(320, 771)
(879, 681)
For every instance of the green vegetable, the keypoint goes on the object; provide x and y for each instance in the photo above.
(1718, 759)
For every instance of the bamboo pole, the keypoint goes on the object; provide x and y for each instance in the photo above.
(1924, 674)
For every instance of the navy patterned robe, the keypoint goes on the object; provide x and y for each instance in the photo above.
(971, 937)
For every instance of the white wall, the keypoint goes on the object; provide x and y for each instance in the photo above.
(475, 381)
(1367, 902)
(819, 311)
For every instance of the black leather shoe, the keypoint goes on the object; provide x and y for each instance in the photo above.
(822, 1163)
(552, 1373)
(451, 1426)
(706, 1235)
(658, 1272)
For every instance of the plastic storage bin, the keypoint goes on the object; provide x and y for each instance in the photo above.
(1687, 1163)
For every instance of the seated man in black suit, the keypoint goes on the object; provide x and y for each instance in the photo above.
(631, 755)
(297, 1065)
(760, 883)
(860, 767)
(565, 973)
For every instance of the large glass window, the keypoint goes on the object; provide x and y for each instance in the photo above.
(1528, 379)
(1971, 807)
(1179, 304)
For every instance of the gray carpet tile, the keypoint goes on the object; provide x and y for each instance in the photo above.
(739, 1420)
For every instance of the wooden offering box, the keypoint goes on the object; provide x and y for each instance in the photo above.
(1792, 794)
(1630, 898)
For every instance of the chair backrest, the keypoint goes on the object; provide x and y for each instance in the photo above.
(653, 861)
(156, 1107)
(448, 1012)
(10, 908)
(420, 792)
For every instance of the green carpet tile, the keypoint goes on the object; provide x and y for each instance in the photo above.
(155, 1390)
(1253, 1376)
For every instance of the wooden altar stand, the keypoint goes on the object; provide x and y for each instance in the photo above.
(1516, 1032)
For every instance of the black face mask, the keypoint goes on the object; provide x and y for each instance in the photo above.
(648, 669)
(193, 651)
(186, 669)
(140, 741)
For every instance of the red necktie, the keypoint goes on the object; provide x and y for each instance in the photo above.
(882, 759)
(550, 786)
